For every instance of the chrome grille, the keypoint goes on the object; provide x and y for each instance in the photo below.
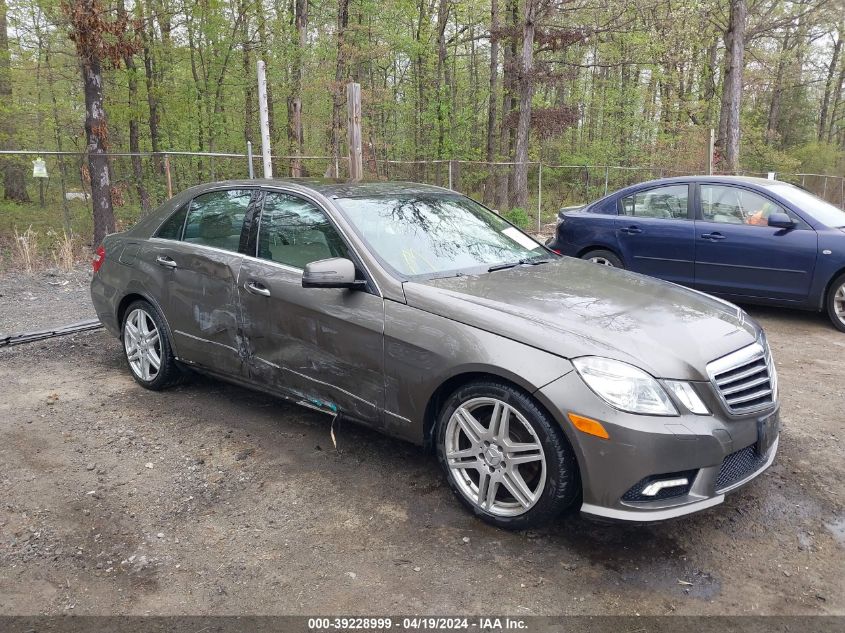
(746, 379)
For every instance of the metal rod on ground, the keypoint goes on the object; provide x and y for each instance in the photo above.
(356, 155)
(264, 120)
(169, 177)
(249, 159)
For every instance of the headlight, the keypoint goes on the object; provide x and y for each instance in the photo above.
(687, 395)
(624, 386)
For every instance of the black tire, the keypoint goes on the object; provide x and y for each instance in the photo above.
(608, 258)
(168, 373)
(838, 286)
(562, 483)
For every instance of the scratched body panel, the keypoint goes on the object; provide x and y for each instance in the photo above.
(200, 302)
(321, 344)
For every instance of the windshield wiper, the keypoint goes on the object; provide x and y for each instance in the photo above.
(522, 262)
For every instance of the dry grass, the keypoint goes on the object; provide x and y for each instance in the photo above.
(63, 250)
(25, 250)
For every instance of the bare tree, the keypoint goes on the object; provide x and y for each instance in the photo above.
(97, 40)
(526, 91)
(296, 140)
(14, 183)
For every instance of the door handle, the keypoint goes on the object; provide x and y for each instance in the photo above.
(256, 288)
(713, 237)
(164, 260)
(631, 230)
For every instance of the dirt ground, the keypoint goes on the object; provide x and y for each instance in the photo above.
(211, 499)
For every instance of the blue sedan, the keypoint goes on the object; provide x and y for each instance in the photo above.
(748, 240)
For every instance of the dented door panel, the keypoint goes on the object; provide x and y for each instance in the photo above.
(323, 346)
(200, 300)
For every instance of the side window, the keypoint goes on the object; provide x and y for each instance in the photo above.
(669, 203)
(296, 232)
(732, 205)
(216, 218)
(172, 227)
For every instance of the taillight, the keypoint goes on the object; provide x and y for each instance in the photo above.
(99, 258)
(556, 252)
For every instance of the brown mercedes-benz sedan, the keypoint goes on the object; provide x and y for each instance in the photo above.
(539, 380)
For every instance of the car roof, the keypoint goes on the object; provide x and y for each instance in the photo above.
(751, 180)
(336, 188)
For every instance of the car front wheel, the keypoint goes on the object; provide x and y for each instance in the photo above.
(147, 347)
(505, 458)
(836, 303)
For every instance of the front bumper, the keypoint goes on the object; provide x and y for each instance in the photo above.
(716, 453)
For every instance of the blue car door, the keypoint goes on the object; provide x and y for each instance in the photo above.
(738, 254)
(656, 233)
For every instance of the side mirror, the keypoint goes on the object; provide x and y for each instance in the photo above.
(337, 272)
(781, 221)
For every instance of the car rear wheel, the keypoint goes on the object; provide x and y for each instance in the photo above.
(147, 347)
(603, 258)
(836, 303)
(504, 457)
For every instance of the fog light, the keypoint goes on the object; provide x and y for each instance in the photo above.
(656, 486)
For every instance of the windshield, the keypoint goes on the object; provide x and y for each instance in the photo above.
(430, 235)
(815, 207)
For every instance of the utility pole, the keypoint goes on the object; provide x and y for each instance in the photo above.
(356, 155)
(264, 120)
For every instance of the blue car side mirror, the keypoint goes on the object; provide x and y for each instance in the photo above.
(781, 221)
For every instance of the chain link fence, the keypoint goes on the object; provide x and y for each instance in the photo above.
(142, 181)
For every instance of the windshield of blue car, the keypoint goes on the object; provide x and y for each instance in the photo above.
(435, 235)
(818, 209)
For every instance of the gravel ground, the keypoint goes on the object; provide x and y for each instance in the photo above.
(44, 299)
(211, 499)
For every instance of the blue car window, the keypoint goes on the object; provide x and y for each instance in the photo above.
(734, 205)
(667, 203)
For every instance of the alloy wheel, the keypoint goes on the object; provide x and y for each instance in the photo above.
(601, 261)
(142, 343)
(839, 303)
(496, 457)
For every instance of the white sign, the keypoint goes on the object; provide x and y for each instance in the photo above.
(39, 168)
(520, 238)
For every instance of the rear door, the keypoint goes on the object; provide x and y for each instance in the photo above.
(739, 255)
(197, 268)
(323, 345)
(657, 234)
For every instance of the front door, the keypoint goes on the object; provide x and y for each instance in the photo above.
(199, 270)
(656, 233)
(739, 255)
(322, 345)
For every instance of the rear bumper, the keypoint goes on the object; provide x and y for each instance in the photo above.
(716, 454)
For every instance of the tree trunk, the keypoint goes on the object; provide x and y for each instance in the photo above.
(249, 72)
(96, 133)
(490, 187)
(339, 91)
(14, 176)
(296, 140)
(526, 91)
(828, 86)
(503, 175)
(442, 21)
(732, 88)
(134, 144)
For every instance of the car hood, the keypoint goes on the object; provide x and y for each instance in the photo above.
(574, 308)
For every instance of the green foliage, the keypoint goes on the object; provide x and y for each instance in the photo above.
(519, 217)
